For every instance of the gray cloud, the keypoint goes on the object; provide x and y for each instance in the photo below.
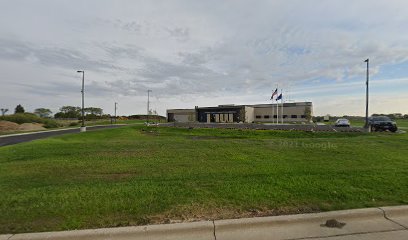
(179, 33)
(189, 48)
(50, 56)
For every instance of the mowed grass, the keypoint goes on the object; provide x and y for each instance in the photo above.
(402, 123)
(138, 175)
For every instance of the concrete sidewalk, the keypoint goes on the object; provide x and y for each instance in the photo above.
(366, 224)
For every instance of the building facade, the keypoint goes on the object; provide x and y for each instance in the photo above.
(288, 112)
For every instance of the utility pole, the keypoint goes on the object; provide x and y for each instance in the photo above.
(83, 128)
(366, 117)
(148, 104)
(116, 104)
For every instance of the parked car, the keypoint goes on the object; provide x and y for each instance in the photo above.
(342, 122)
(382, 123)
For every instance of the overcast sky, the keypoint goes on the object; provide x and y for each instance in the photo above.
(204, 53)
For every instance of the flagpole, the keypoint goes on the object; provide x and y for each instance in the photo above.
(272, 107)
(273, 111)
(282, 104)
(277, 106)
(277, 112)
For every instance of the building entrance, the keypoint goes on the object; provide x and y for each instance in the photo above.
(220, 117)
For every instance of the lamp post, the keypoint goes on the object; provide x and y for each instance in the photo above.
(116, 104)
(366, 117)
(83, 128)
(148, 105)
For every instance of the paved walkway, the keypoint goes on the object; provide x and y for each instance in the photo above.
(363, 224)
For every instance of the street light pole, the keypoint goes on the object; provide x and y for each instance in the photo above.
(148, 104)
(83, 104)
(366, 117)
(115, 110)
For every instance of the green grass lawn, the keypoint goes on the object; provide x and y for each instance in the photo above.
(137, 175)
(402, 123)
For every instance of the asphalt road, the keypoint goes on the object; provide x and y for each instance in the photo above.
(9, 140)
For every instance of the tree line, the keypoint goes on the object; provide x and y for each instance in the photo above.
(64, 112)
(76, 112)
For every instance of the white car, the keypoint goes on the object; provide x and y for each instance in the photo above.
(342, 122)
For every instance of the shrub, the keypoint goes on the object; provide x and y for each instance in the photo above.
(49, 123)
(22, 118)
(73, 124)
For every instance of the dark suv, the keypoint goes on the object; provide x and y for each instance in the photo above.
(382, 123)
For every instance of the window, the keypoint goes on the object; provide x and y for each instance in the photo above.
(285, 116)
(266, 116)
(258, 116)
(294, 116)
(275, 116)
(303, 116)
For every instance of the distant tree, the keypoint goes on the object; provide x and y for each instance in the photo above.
(308, 113)
(392, 116)
(242, 114)
(406, 116)
(93, 111)
(43, 112)
(19, 109)
(317, 119)
(68, 112)
(398, 115)
(3, 111)
(69, 109)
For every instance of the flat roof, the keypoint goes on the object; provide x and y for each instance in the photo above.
(181, 110)
(290, 104)
(232, 106)
(235, 106)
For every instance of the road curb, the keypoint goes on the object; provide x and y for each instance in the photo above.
(397, 214)
(6, 236)
(342, 214)
(396, 210)
(356, 221)
(195, 230)
(306, 225)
